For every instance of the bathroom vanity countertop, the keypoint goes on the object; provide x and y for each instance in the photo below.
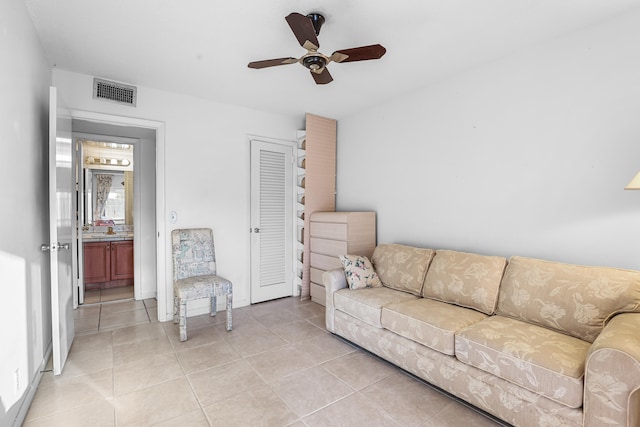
(107, 237)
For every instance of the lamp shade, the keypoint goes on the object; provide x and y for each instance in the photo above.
(634, 184)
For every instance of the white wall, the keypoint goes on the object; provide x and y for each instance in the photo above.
(25, 315)
(525, 156)
(207, 164)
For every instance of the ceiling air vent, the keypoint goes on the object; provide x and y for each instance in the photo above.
(116, 92)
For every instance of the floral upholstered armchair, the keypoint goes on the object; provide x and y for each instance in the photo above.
(194, 274)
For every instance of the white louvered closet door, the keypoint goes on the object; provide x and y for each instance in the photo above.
(271, 221)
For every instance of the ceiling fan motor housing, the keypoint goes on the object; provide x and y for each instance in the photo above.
(314, 62)
(317, 20)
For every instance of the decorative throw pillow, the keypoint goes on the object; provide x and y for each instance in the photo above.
(359, 272)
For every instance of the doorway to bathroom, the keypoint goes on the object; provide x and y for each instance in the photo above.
(105, 213)
(116, 205)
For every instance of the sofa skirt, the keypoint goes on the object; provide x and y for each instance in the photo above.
(493, 395)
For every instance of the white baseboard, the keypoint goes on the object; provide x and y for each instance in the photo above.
(31, 390)
(148, 295)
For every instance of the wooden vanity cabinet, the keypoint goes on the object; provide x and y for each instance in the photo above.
(97, 262)
(108, 263)
(122, 260)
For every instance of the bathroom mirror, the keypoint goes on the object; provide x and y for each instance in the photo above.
(107, 182)
(108, 197)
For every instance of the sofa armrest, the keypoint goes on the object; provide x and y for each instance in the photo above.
(612, 374)
(333, 281)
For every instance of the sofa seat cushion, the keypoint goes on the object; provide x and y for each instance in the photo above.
(536, 358)
(465, 279)
(428, 322)
(366, 304)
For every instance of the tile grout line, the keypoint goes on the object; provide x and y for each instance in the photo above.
(113, 376)
(99, 318)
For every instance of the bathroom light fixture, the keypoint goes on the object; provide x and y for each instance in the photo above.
(111, 145)
(634, 184)
(91, 160)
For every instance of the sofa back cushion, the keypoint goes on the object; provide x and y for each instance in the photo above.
(402, 267)
(573, 299)
(468, 280)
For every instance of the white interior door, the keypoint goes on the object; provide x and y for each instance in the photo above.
(271, 220)
(78, 206)
(61, 232)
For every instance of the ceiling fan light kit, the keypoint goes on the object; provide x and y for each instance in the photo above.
(306, 30)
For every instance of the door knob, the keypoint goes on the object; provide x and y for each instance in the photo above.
(55, 247)
(256, 230)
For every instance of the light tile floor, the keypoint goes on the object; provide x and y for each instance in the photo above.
(278, 367)
(108, 294)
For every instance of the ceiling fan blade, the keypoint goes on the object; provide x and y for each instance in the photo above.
(363, 53)
(272, 62)
(323, 77)
(302, 28)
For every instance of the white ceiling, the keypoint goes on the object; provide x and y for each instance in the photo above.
(202, 47)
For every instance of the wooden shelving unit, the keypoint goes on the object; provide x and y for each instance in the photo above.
(318, 190)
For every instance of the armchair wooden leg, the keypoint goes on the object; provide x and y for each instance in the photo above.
(175, 309)
(183, 320)
(229, 311)
(214, 305)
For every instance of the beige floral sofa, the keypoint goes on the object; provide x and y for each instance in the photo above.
(533, 342)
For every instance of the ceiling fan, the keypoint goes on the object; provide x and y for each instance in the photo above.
(306, 30)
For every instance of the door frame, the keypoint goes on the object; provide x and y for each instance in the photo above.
(294, 171)
(165, 303)
(78, 288)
